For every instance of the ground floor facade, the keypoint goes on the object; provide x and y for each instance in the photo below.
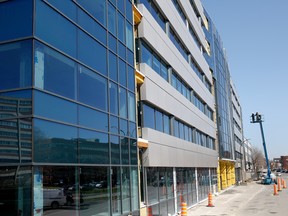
(165, 188)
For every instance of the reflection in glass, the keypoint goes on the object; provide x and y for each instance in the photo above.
(49, 106)
(96, 57)
(46, 29)
(93, 118)
(124, 150)
(123, 103)
(115, 149)
(152, 185)
(15, 190)
(133, 151)
(49, 138)
(126, 189)
(93, 147)
(94, 187)
(113, 98)
(16, 64)
(92, 89)
(116, 191)
(51, 69)
(16, 26)
(15, 133)
(134, 188)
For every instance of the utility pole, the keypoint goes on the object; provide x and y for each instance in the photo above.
(257, 118)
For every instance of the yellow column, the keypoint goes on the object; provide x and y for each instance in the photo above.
(223, 171)
(219, 177)
(233, 173)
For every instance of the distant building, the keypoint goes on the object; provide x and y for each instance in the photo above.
(284, 162)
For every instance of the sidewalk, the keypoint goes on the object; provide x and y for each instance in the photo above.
(244, 200)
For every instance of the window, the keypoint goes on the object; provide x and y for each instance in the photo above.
(92, 118)
(122, 72)
(123, 103)
(93, 147)
(131, 107)
(45, 106)
(149, 117)
(129, 36)
(96, 8)
(16, 19)
(46, 18)
(51, 69)
(49, 138)
(92, 89)
(113, 72)
(113, 88)
(159, 121)
(121, 27)
(16, 64)
(96, 57)
(111, 18)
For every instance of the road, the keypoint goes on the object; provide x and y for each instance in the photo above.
(253, 199)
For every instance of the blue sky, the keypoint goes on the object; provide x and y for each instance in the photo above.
(255, 36)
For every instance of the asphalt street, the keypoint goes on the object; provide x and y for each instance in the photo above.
(251, 199)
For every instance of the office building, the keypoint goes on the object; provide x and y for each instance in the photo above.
(217, 61)
(238, 137)
(68, 132)
(176, 107)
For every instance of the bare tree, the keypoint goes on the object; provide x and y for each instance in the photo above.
(258, 159)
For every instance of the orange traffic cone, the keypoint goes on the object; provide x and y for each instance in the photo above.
(275, 190)
(210, 197)
(150, 211)
(279, 184)
(283, 183)
(183, 209)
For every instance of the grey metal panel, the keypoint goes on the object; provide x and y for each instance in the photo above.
(155, 36)
(170, 100)
(153, 33)
(166, 151)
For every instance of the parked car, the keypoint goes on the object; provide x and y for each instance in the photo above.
(54, 198)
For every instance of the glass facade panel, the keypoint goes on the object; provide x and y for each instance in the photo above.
(131, 79)
(122, 72)
(121, 27)
(15, 190)
(16, 64)
(133, 152)
(46, 18)
(93, 147)
(131, 107)
(96, 8)
(97, 55)
(149, 117)
(125, 159)
(126, 196)
(15, 27)
(113, 66)
(92, 89)
(45, 105)
(115, 149)
(111, 18)
(114, 100)
(51, 69)
(123, 103)
(16, 140)
(15, 104)
(159, 121)
(152, 185)
(90, 25)
(95, 194)
(92, 118)
(116, 191)
(49, 138)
